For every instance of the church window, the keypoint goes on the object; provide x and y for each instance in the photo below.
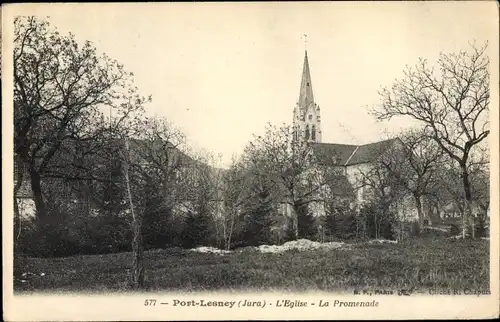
(310, 116)
(313, 132)
(307, 132)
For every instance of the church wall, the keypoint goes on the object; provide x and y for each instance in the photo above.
(354, 174)
(405, 208)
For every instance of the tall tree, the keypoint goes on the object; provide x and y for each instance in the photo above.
(414, 163)
(196, 230)
(236, 195)
(137, 243)
(62, 91)
(382, 192)
(258, 218)
(152, 162)
(451, 103)
(287, 163)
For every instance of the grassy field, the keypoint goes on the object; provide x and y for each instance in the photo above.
(417, 265)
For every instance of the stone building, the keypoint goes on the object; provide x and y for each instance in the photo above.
(352, 161)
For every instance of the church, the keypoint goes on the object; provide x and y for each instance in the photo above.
(351, 160)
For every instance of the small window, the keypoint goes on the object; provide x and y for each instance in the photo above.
(310, 116)
(307, 132)
(307, 84)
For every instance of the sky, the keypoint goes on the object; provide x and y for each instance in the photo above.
(221, 71)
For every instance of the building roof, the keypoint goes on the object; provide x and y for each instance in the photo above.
(333, 154)
(370, 152)
(139, 150)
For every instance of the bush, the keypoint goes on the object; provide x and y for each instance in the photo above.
(59, 235)
(481, 227)
(455, 230)
(306, 223)
(257, 222)
(377, 222)
(346, 227)
(415, 230)
(195, 230)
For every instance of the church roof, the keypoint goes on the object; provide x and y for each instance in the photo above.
(370, 152)
(332, 153)
(346, 154)
(306, 93)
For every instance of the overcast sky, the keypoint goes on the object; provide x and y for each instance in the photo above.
(221, 71)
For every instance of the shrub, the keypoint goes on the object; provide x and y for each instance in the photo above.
(377, 222)
(346, 226)
(481, 226)
(258, 221)
(195, 230)
(415, 230)
(455, 229)
(306, 223)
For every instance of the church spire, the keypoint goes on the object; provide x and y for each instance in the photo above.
(306, 93)
(306, 114)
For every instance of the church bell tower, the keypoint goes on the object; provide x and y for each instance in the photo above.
(306, 115)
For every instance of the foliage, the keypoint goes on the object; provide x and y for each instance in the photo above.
(63, 235)
(454, 230)
(159, 228)
(378, 221)
(306, 224)
(341, 222)
(416, 229)
(195, 231)
(258, 221)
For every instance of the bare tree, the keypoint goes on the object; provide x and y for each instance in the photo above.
(288, 164)
(414, 163)
(137, 243)
(235, 193)
(152, 162)
(62, 91)
(160, 157)
(451, 103)
(448, 192)
(382, 190)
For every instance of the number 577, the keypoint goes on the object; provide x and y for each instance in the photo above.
(149, 302)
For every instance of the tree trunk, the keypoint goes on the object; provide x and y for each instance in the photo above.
(224, 232)
(36, 189)
(138, 251)
(17, 187)
(468, 218)
(137, 244)
(435, 213)
(230, 232)
(420, 211)
(295, 219)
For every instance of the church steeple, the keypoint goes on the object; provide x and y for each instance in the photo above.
(306, 115)
(306, 93)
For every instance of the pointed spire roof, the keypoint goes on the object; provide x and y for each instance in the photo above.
(306, 93)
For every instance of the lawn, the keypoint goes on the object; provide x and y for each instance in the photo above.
(418, 265)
